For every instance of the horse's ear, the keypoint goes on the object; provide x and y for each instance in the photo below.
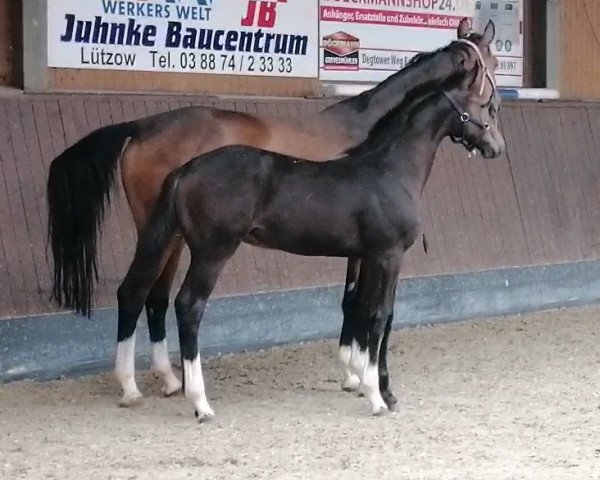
(489, 33)
(464, 28)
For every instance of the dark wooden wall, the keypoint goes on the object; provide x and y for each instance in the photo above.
(11, 43)
(534, 43)
(536, 205)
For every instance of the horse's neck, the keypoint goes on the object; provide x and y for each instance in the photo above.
(415, 136)
(361, 113)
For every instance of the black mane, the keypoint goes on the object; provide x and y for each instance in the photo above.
(361, 102)
(378, 136)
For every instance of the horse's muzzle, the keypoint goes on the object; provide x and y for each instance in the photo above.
(490, 152)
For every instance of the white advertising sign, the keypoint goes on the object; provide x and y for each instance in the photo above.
(244, 37)
(368, 40)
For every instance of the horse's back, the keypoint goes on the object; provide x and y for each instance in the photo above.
(196, 117)
(229, 161)
(168, 140)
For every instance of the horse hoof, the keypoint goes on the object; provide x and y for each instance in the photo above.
(391, 402)
(171, 390)
(394, 407)
(203, 417)
(351, 384)
(131, 401)
(379, 407)
(380, 411)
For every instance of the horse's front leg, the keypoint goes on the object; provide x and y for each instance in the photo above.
(347, 336)
(384, 375)
(378, 278)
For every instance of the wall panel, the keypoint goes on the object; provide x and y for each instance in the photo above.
(535, 205)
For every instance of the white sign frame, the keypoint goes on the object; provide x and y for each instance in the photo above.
(231, 37)
(366, 41)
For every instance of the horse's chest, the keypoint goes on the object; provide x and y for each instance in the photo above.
(390, 226)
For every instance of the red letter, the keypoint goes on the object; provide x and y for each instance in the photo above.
(249, 20)
(267, 14)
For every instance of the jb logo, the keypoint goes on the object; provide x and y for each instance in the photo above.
(261, 13)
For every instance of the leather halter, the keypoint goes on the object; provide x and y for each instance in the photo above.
(464, 115)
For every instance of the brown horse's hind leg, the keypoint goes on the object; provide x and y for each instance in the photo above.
(156, 310)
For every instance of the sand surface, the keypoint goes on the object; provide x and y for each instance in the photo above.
(509, 398)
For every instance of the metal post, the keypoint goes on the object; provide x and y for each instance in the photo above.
(553, 44)
(35, 45)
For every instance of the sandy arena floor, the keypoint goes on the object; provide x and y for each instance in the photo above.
(512, 398)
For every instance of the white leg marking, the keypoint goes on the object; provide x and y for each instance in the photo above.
(370, 381)
(369, 377)
(125, 371)
(161, 364)
(351, 380)
(194, 388)
(358, 359)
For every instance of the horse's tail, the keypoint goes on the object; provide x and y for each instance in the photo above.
(78, 189)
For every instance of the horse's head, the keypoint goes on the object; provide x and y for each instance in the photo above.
(475, 98)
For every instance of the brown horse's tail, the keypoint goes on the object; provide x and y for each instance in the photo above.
(78, 189)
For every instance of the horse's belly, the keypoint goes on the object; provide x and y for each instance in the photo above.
(304, 242)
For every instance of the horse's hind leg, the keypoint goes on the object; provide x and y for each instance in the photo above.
(347, 336)
(157, 304)
(131, 296)
(205, 266)
(143, 173)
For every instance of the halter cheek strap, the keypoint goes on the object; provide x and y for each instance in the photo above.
(486, 72)
(464, 115)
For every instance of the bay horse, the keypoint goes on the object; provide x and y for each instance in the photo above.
(363, 206)
(81, 178)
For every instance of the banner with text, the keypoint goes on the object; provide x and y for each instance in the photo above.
(368, 40)
(244, 37)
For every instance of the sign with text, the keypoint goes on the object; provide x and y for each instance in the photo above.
(367, 40)
(244, 37)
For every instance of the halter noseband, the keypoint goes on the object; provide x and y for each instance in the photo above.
(464, 115)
